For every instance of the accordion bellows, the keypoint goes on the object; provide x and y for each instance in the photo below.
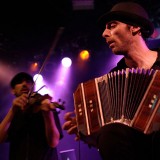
(128, 96)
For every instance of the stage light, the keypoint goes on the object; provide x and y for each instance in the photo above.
(40, 85)
(83, 4)
(66, 62)
(38, 78)
(34, 66)
(84, 55)
(156, 34)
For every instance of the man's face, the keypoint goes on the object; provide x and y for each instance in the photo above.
(118, 36)
(22, 87)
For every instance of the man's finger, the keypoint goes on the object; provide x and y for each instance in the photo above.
(68, 116)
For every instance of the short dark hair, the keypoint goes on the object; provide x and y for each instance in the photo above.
(20, 77)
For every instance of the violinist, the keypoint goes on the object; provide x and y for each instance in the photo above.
(33, 131)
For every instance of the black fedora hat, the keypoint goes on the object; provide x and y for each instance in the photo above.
(19, 77)
(129, 13)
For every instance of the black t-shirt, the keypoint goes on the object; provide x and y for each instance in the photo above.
(27, 137)
(122, 65)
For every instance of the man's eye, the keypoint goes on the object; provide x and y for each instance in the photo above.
(112, 25)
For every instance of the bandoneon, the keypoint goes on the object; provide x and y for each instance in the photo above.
(127, 96)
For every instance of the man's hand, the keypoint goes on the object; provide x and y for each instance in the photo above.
(45, 105)
(20, 103)
(70, 125)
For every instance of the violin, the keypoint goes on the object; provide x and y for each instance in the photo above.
(35, 99)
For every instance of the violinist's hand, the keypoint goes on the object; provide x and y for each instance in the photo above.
(46, 105)
(20, 103)
(70, 125)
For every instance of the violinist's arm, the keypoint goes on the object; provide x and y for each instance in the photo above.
(52, 133)
(18, 103)
(5, 124)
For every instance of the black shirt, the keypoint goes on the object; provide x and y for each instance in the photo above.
(122, 65)
(27, 137)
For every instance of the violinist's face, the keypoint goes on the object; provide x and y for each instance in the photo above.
(22, 88)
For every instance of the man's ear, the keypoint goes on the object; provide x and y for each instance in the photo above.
(135, 30)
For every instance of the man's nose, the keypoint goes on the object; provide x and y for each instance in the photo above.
(106, 33)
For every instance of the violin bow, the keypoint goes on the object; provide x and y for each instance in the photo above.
(55, 41)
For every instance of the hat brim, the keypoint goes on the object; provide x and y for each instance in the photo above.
(127, 18)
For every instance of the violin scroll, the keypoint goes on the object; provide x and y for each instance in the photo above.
(59, 104)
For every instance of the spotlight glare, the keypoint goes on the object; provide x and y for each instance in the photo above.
(66, 62)
(38, 77)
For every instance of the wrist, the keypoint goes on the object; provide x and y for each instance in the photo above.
(13, 109)
(47, 113)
